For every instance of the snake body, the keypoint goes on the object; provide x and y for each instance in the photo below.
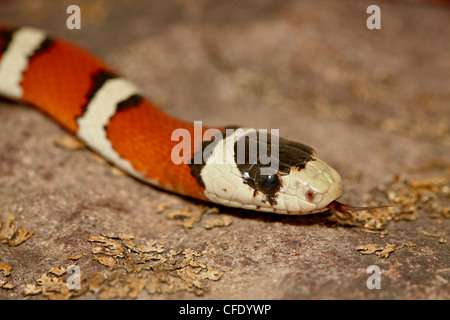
(111, 116)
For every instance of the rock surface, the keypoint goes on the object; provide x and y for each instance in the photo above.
(373, 103)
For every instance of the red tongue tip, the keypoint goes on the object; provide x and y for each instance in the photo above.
(344, 208)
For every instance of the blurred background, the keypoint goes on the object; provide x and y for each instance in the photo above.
(374, 104)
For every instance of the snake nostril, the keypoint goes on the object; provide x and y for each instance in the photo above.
(310, 195)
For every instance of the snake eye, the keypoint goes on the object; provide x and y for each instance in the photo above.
(268, 184)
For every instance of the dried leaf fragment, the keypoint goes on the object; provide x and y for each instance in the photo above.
(211, 274)
(9, 234)
(69, 142)
(118, 172)
(408, 245)
(445, 212)
(6, 285)
(436, 235)
(386, 251)
(162, 206)
(21, 237)
(58, 270)
(5, 269)
(381, 252)
(120, 235)
(188, 218)
(218, 222)
(109, 262)
(31, 289)
(8, 230)
(368, 248)
(102, 239)
(75, 256)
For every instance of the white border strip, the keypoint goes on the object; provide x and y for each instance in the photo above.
(15, 60)
(91, 126)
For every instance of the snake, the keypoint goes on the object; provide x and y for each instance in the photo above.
(111, 116)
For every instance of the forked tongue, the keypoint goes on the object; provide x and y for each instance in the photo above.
(345, 208)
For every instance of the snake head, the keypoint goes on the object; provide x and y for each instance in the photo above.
(294, 181)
